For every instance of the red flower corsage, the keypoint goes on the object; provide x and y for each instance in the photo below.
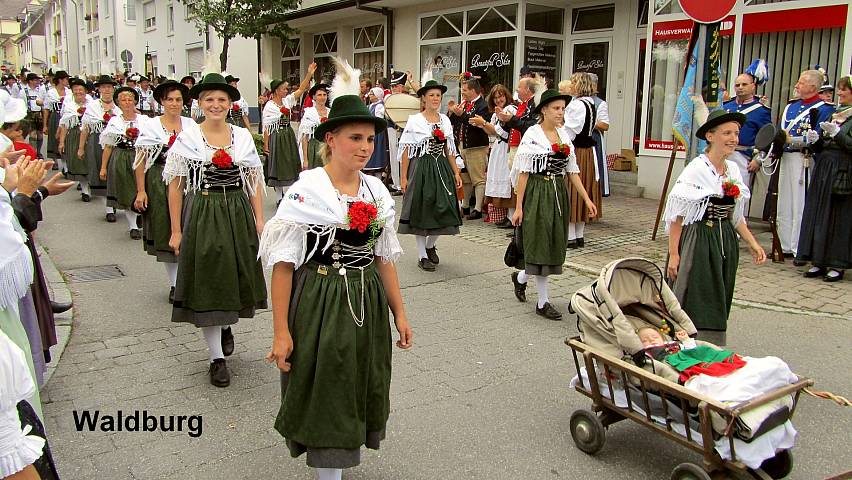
(438, 135)
(172, 139)
(235, 108)
(81, 110)
(562, 148)
(362, 215)
(730, 189)
(467, 75)
(323, 119)
(221, 159)
(131, 133)
(285, 111)
(107, 116)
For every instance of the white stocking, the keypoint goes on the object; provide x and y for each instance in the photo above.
(431, 240)
(510, 213)
(279, 192)
(84, 187)
(329, 473)
(580, 229)
(131, 217)
(108, 208)
(213, 335)
(572, 231)
(541, 287)
(523, 277)
(171, 271)
(421, 245)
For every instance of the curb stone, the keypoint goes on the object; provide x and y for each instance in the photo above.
(59, 292)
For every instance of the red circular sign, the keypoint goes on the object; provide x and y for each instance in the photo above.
(704, 11)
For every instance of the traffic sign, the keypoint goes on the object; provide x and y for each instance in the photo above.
(704, 11)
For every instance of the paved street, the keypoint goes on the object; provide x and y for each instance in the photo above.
(482, 395)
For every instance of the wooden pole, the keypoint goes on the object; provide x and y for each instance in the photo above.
(665, 191)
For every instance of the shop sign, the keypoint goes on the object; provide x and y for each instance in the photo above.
(497, 59)
(593, 58)
(682, 29)
(542, 56)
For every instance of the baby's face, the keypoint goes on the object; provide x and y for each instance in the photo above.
(650, 337)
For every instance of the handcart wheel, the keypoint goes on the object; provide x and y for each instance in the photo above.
(689, 471)
(778, 466)
(587, 431)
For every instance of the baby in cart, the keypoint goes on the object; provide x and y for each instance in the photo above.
(685, 356)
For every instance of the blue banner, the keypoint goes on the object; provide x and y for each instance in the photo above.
(685, 108)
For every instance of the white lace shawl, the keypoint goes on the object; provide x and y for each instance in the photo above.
(189, 154)
(53, 101)
(69, 117)
(17, 447)
(153, 137)
(312, 205)
(534, 151)
(310, 121)
(272, 113)
(116, 128)
(696, 184)
(93, 118)
(415, 138)
(16, 265)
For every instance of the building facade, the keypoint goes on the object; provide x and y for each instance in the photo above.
(636, 47)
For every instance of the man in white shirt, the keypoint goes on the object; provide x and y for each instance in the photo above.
(34, 98)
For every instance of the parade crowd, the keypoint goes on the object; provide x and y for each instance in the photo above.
(179, 160)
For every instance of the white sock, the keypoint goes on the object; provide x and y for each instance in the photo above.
(131, 217)
(431, 240)
(171, 271)
(108, 208)
(510, 213)
(329, 473)
(421, 245)
(279, 192)
(541, 287)
(61, 163)
(580, 229)
(213, 335)
(523, 277)
(84, 186)
(572, 231)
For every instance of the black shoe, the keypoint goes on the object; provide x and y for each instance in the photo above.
(135, 234)
(465, 211)
(788, 255)
(547, 311)
(55, 166)
(520, 288)
(799, 263)
(60, 307)
(172, 295)
(79, 187)
(838, 276)
(432, 255)
(86, 197)
(426, 265)
(814, 272)
(219, 375)
(474, 215)
(505, 223)
(573, 244)
(581, 242)
(110, 217)
(227, 341)
(394, 192)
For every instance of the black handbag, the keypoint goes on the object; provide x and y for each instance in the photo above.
(514, 255)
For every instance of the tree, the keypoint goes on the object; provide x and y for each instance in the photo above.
(246, 18)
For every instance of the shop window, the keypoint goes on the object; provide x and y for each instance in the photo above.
(371, 64)
(325, 43)
(544, 56)
(663, 7)
(291, 48)
(492, 60)
(492, 19)
(444, 61)
(544, 19)
(369, 37)
(592, 57)
(643, 14)
(593, 18)
(442, 26)
(289, 72)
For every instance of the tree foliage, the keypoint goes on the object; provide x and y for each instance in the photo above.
(245, 18)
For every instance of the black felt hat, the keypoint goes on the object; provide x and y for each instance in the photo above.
(190, 78)
(104, 79)
(121, 90)
(348, 109)
(431, 84)
(231, 78)
(160, 90)
(319, 86)
(550, 96)
(718, 117)
(77, 81)
(33, 76)
(214, 81)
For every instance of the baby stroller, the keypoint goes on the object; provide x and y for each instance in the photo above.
(751, 437)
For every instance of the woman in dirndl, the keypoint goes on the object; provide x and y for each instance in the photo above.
(283, 160)
(580, 119)
(156, 136)
(239, 113)
(119, 151)
(826, 236)
(544, 157)
(430, 176)
(379, 160)
(704, 213)
(498, 184)
(332, 248)
(311, 118)
(73, 110)
(215, 228)
(53, 101)
(95, 119)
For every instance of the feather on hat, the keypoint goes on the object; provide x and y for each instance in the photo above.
(758, 70)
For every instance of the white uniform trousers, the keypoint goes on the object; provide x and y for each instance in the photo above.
(791, 200)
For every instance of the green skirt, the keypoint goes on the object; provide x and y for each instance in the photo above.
(545, 227)
(52, 131)
(430, 205)
(94, 153)
(314, 158)
(10, 324)
(156, 225)
(336, 397)
(283, 164)
(709, 255)
(121, 182)
(219, 278)
(78, 168)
